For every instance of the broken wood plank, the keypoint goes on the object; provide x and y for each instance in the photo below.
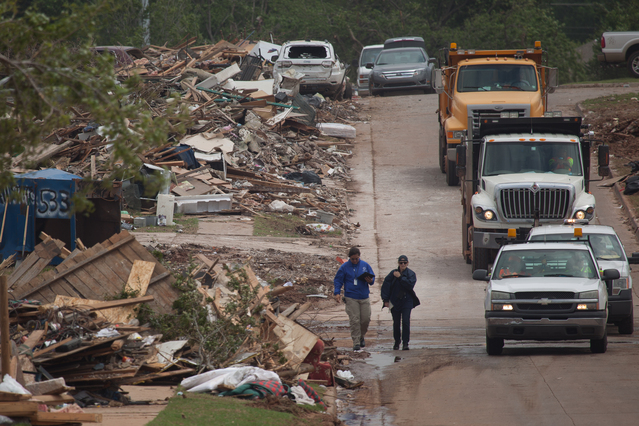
(18, 408)
(48, 418)
(305, 307)
(76, 266)
(140, 277)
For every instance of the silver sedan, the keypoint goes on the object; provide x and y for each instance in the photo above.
(403, 68)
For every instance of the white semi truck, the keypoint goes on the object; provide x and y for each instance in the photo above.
(517, 173)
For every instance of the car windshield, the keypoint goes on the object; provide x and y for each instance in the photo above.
(544, 263)
(497, 77)
(369, 55)
(605, 246)
(398, 57)
(307, 52)
(531, 157)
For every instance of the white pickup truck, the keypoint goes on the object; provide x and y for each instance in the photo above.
(620, 47)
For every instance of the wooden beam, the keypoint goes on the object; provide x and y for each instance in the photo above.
(5, 337)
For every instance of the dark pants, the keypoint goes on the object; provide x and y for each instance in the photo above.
(401, 324)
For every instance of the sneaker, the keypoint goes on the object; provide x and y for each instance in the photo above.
(405, 348)
(356, 348)
(396, 347)
(362, 343)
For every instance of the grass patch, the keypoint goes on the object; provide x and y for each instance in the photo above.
(205, 409)
(283, 225)
(187, 223)
(611, 80)
(606, 101)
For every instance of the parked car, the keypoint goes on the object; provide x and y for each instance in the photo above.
(401, 68)
(368, 55)
(546, 291)
(610, 254)
(619, 48)
(323, 71)
(397, 42)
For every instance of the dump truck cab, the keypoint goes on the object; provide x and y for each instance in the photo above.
(476, 84)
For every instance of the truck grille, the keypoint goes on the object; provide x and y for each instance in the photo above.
(478, 114)
(522, 203)
(557, 307)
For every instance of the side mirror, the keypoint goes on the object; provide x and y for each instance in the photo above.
(274, 58)
(432, 60)
(610, 274)
(603, 159)
(438, 84)
(370, 65)
(553, 79)
(481, 275)
(460, 159)
(634, 259)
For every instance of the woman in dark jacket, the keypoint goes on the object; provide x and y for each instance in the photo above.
(398, 294)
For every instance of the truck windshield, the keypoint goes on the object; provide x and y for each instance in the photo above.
(369, 55)
(531, 157)
(497, 77)
(545, 263)
(605, 246)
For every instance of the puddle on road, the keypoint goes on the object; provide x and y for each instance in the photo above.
(380, 360)
(360, 417)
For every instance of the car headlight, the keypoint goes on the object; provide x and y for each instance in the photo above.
(593, 294)
(620, 284)
(285, 64)
(486, 215)
(500, 295)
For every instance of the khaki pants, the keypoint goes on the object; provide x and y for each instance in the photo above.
(359, 316)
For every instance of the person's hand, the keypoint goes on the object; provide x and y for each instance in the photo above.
(368, 280)
(397, 274)
(386, 304)
(338, 297)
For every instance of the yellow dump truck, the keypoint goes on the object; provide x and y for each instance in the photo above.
(477, 84)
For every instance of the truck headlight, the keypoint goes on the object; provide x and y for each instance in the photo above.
(500, 295)
(486, 215)
(584, 214)
(458, 134)
(618, 285)
(502, 307)
(590, 306)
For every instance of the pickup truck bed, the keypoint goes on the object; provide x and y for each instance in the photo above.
(620, 47)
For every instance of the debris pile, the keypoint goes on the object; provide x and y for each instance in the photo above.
(75, 323)
(244, 151)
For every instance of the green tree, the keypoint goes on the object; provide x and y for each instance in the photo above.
(48, 70)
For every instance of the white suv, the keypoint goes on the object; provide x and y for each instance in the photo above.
(317, 60)
(546, 291)
(610, 254)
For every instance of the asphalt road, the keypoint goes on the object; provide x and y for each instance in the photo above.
(405, 207)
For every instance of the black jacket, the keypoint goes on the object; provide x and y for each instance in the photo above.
(400, 290)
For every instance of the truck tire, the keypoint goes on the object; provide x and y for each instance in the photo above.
(599, 346)
(626, 326)
(633, 64)
(348, 90)
(494, 345)
(481, 258)
(442, 150)
(451, 174)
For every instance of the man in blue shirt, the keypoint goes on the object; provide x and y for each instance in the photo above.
(355, 276)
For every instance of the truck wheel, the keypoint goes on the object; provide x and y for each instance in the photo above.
(442, 150)
(633, 64)
(599, 346)
(348, 90)
(451, 174)
(481, 258)
(626, 326)
(494, 345)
